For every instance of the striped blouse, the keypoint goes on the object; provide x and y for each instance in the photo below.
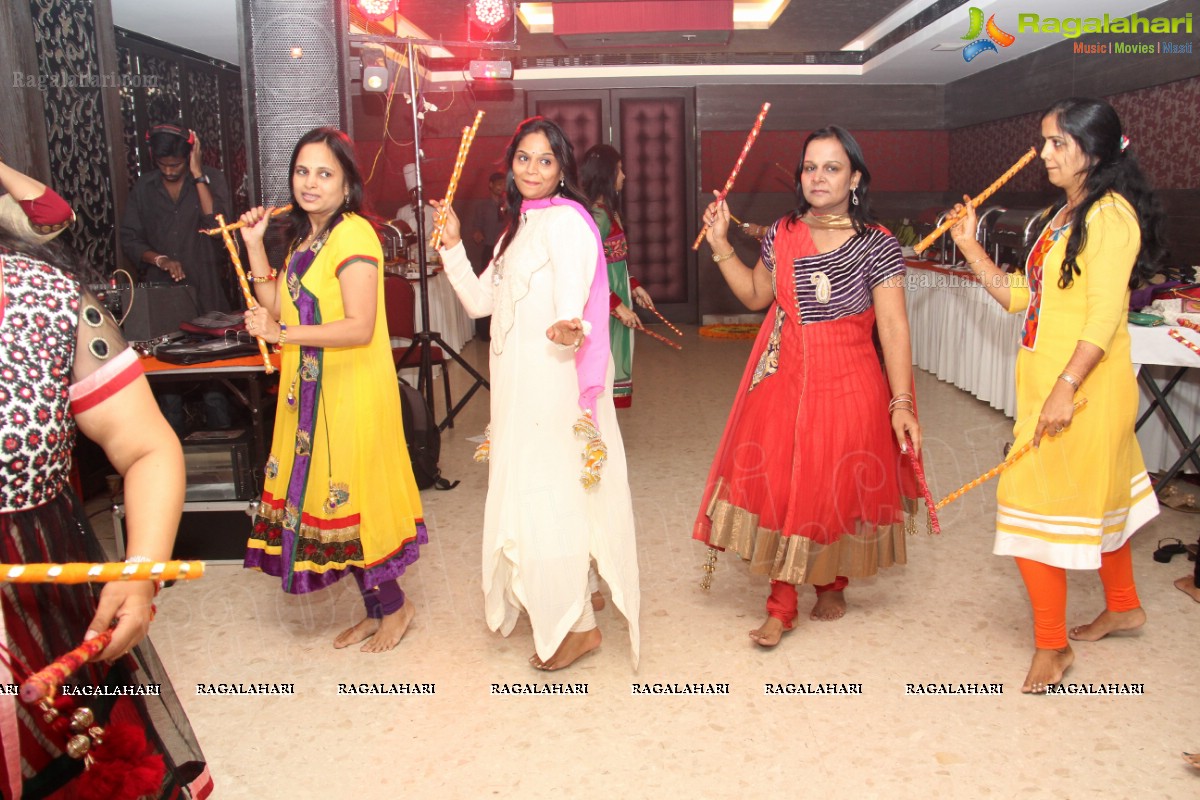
(852, 271)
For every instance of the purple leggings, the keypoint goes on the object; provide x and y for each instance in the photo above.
(386, 598)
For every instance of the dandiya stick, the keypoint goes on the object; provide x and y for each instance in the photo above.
(464, 147)
(750, 140)
(1183, 340)
(275, 212)
(45, 682)
(934, 525)
(954, 219)
(654, 335)
(996, 470)
(101, 572)
(251, 303)
(654, 311)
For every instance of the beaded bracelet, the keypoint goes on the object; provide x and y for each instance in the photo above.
(263, 279)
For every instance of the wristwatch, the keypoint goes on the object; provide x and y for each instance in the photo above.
(202, 179)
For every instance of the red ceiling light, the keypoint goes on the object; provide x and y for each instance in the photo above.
(376, 9)
(489, 14)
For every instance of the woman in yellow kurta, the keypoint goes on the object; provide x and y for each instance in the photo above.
(1074, 502)
(339, 495)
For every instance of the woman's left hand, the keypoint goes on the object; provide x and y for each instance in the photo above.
(642, 297)
(259, 323)
(568, 333)
(1057, 412)
(904, 423)
(130, 605)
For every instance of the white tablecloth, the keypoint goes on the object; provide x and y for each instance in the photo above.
(961, 335)
(446, 314)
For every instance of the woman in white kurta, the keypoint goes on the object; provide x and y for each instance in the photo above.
(547, 292)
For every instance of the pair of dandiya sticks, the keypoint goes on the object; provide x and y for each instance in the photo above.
(46, 682)
(921, 246)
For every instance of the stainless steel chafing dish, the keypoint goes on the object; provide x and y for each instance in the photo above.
(1013, 235)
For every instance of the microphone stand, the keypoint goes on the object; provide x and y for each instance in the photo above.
(424, 340)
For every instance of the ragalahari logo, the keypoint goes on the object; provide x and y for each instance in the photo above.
(995, 36)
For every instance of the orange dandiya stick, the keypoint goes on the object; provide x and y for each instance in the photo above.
(750, 140)
(251, 303)
(654, 311)
(653, 335)
(996, 470)
(45, 682)
(464, 147)
(954, 219)
(1183, 340)
(275, 212)
(101, 572)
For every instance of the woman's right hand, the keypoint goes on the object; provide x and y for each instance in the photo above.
(254, 225)
(963, 231)
(627, 317)
(716, 219)
(452, 230)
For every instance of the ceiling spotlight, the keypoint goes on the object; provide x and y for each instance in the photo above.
(375, 79)
(297, 52)
(491, 14)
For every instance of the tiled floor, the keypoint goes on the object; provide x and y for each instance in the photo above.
(954, 614)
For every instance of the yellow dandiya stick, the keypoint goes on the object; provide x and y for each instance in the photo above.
(750, 140)
(464, 147)
(83, 572)
(275, 212)
(251, 303)
(654, 311)
(954, 219)
(996, 470)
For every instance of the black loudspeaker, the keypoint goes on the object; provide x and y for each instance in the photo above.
(295, 74)
(157, 310)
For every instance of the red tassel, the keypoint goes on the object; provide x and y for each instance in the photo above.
(122, 768)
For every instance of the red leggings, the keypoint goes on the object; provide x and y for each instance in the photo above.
(1047, 587)
(782, 603)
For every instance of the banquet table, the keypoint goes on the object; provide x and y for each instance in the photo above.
(446, 314)
(963, 336)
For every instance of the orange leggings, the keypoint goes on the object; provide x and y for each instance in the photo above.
(1047, 587)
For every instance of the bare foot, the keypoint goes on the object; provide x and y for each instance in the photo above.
(573, 647)
(597, 601)
(830, 606)
(769, 633)
(1048, 667)
(1193, 759)
(1187, 585)
(356, 633)
(1109, 622)
(391, 630)
(380, 635)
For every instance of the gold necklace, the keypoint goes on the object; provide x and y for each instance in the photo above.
(827, 221)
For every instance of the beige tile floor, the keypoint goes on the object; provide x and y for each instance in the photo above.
(955, 613)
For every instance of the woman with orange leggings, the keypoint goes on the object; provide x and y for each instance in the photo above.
(1075, 501)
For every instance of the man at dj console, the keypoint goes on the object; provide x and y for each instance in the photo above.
(160, 233)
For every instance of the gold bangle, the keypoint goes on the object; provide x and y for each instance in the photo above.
(1067, 377)
(263, 279)
(718, 259)
(976, 261)
(282, 334)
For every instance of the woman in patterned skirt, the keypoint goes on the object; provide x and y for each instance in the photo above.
(602, 176)
(1074, 502)
(64, 366)
(808, 478)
